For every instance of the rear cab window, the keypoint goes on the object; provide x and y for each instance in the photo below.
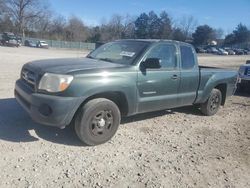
(187, 57)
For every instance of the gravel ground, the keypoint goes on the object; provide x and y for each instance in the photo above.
(173, 148)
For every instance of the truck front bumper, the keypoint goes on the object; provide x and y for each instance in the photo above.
(244, 82)
(46, 109)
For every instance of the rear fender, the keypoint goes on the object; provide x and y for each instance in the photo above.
(212, 83)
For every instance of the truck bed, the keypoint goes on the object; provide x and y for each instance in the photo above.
(215, 76)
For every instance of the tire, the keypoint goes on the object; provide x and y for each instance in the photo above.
(97, 121)
(212, 105)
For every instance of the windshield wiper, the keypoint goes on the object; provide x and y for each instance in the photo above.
(106, 59)
(103, 59)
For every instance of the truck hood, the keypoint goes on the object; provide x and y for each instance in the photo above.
(69, 65)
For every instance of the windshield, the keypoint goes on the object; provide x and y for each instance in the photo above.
(11, 37)
(122, 52)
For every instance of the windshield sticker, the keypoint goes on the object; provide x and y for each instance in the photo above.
(128, 54)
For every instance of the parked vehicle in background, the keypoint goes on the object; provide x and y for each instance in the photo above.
(200, 50)
(42, 44)
(19, 41)
(9, 39)
(244, 77)
(1, 40)
(230, 51)
(247, 49)
(29, 43)
(212, 50)
(120, 78)
(246, 52)
(221, 51)
(239, 52)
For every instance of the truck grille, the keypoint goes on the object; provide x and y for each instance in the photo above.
(29, 78)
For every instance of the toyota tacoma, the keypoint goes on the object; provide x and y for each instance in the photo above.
(120, 78)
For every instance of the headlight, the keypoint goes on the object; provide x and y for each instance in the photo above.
(55, 82)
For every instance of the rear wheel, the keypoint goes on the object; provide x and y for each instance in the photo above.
(97, 121)
(212, 105)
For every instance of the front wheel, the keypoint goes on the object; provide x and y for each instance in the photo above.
(97, 121)
(212, 105)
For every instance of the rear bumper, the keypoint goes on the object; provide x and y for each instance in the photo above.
(46, 109)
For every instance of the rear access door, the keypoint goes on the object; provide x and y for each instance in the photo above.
(189, 81)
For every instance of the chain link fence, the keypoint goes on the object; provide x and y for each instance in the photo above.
(64, 44)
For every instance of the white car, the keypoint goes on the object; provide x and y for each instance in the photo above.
(42, 44)
(222, 52)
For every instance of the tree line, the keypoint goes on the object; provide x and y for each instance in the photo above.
(34, 18)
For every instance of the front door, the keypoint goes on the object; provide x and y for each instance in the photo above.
(158, 88)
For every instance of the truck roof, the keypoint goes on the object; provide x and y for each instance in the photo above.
(156, 40)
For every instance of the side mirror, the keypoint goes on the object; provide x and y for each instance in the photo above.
(151, 63)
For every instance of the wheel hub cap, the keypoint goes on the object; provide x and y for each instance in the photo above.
(101, 123)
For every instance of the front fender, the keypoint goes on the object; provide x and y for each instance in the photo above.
(87, 85)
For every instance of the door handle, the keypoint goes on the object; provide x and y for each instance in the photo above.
(174, 77)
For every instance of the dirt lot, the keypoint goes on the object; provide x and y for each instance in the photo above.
(173, 148)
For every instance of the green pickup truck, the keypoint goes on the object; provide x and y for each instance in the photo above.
(120, 78)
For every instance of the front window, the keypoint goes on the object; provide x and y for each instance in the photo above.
(122, 52)
(166, 53)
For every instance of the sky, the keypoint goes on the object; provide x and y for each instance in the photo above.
(224, 14)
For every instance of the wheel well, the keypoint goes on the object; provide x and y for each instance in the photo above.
(117, 97)
(223, 90)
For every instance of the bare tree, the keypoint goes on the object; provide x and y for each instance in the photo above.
(129, 27)
(187, 24)
(2, 5)
(76, 30)
(25, 12)
(5, 21)
(116, 26)
(57, 28)
(6, 24)
(113, 29)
